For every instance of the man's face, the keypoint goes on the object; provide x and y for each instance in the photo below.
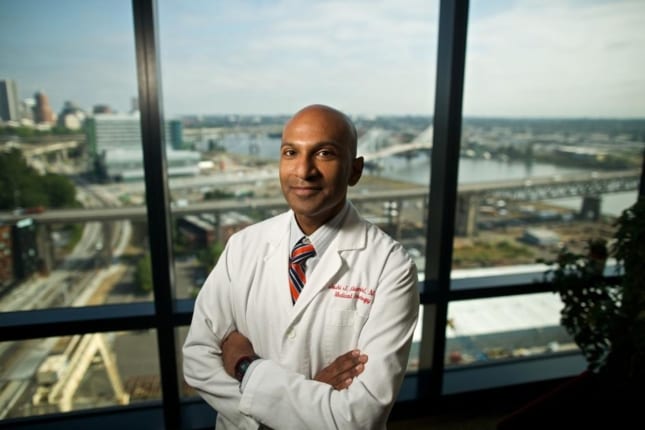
(316, 166)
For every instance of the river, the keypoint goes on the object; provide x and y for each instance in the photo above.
(417, 170)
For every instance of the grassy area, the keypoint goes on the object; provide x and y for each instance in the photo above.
(378, 182)
(480, 253)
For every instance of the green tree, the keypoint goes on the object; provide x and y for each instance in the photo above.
(59, 189)
(22, 186)
(143, 273)
(217, 195)
(17, 181)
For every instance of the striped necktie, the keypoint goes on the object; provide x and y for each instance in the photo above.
(299, 255)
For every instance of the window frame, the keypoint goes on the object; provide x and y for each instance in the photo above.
(166, 314)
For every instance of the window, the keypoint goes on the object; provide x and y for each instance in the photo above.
(551, 146)
(551, 151)
(232, 75)
(73, 239)
(73, 297)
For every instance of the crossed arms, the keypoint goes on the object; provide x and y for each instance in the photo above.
(339, 374)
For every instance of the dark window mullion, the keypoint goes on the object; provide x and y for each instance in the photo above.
(641, 187)
(157, 200)
(453, 23)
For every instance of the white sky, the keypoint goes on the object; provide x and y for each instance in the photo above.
(551, 58)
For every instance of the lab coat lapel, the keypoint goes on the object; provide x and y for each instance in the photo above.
(276, 268)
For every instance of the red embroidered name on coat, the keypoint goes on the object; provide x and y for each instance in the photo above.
(364, 294)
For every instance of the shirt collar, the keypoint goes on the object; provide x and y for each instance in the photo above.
(322, 237)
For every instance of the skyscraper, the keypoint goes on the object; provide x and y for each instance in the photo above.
(9, 100)
(42, 111)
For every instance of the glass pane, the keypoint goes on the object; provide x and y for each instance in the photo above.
(553, 134)
(505, 327)
(186, 390)
(71, 373)
(233, 74)
(67, 88)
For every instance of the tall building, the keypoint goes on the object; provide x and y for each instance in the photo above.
(42, 111)
(134, 104)
(113, 131)
(176, 129)
(6, 256)
(9, 102)
(25, 250)
(27, 109)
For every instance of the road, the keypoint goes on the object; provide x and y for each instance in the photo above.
(73, 283)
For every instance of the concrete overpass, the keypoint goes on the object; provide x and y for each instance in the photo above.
(52, 155)
(533, 189)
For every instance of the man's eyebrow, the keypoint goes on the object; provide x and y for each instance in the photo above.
(320, 143)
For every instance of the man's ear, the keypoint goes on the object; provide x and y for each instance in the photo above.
(357, 171)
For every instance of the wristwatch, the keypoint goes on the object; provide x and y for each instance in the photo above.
(242, 366)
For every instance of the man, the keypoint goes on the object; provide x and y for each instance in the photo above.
(317, 339)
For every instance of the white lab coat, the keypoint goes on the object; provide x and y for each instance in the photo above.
(361, 294)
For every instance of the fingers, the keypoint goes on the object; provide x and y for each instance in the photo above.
(345, 379)
(234, 346)
(348, 367)
(342, 371)
(350, 361)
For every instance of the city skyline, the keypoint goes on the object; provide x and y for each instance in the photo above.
(524, 58)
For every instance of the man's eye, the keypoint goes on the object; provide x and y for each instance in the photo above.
(288, 152)
(325, 153)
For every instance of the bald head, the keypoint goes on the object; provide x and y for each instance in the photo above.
(329, 118)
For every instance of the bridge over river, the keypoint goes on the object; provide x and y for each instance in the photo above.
(533, 189)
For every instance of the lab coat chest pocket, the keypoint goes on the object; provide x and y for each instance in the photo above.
(342, 329)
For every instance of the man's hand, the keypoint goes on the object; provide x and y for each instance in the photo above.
(341, 372)
(234, 347)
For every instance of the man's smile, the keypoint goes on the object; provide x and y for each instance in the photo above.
(304, 191)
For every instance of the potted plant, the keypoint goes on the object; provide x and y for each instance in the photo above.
(591, 302)
(627, 355)
(605, 315)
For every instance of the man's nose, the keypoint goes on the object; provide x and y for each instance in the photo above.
(305, 167)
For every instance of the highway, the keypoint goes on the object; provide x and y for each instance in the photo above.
(72, 283)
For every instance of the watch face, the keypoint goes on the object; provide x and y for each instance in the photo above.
(242, 365)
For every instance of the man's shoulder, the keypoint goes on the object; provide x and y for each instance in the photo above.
(373, 234)
(266, 228)
(376, 236)
(373, 231)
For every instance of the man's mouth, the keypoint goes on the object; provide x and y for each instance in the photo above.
(304, 191)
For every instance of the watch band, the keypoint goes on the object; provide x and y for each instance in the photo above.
(242, 366)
